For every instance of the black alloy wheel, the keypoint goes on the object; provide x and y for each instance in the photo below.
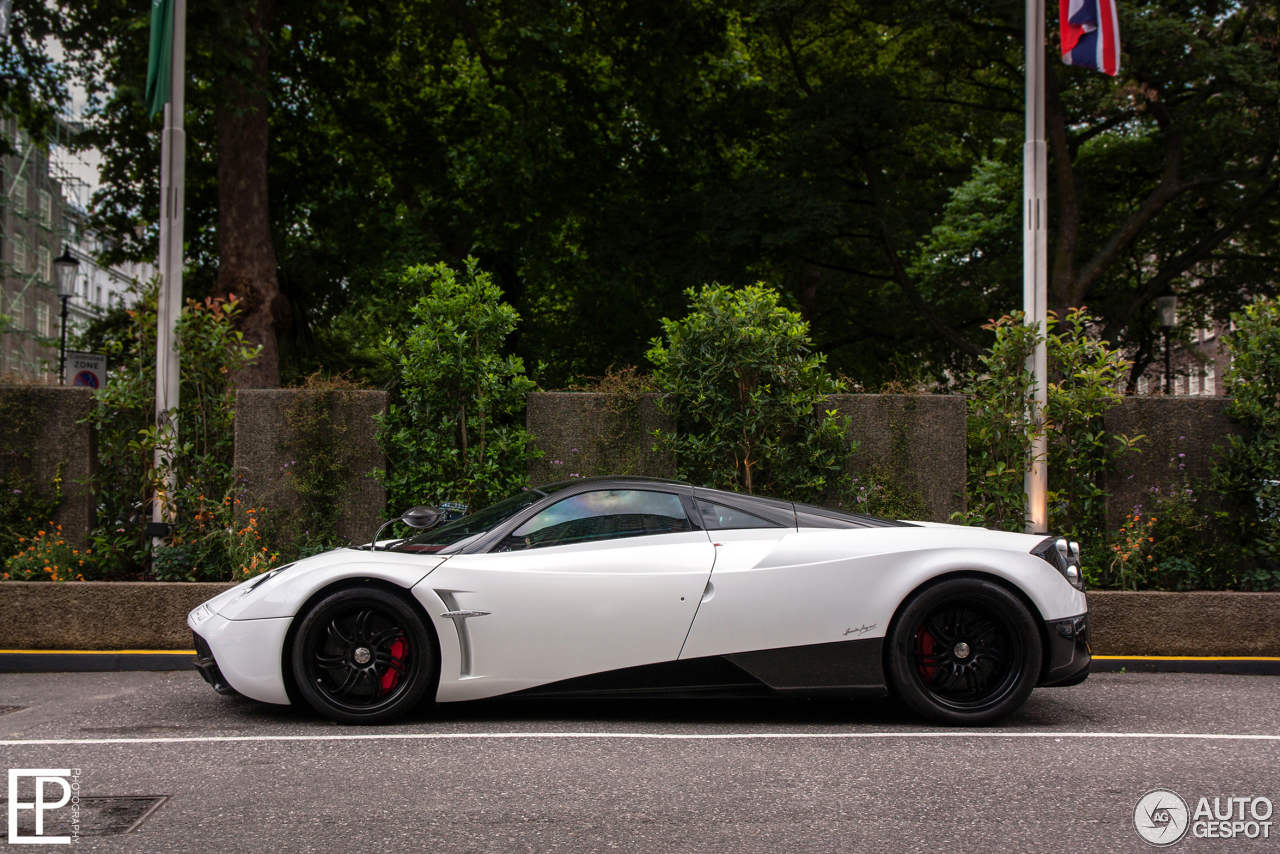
(964, 652)
(362, 655)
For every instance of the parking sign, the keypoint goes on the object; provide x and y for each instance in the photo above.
(88, 370)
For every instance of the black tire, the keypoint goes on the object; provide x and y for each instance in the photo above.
(964, 652)
(363, 656)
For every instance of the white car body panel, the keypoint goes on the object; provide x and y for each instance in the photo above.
(568, 611)
(245, 626)
(284, 594)
(822, 586)
(249, 654)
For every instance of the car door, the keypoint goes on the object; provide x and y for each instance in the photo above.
(598, 581)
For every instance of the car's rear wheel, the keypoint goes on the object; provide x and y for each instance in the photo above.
(964, 652)
(363, 656)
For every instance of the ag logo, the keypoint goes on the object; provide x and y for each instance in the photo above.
(1161, 817)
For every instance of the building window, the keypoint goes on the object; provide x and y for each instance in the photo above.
(1142, 385)
(42, 320)
(44, 264)
(98, 299)
(18, 194)
(46, 207)
(19, 257)
(1210, 381)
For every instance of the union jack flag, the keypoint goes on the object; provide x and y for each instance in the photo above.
(1090, 34)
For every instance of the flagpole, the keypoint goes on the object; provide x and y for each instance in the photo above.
(169, 305)
(1035, 267)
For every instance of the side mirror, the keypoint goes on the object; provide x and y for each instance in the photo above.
(420, 518)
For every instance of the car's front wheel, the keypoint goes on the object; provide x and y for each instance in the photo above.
(363, 656)
(964, 652)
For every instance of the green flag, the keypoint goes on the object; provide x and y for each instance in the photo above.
(160, 60)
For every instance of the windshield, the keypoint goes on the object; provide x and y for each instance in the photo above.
(468, 526)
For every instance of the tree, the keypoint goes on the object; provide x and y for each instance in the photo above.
(747, 393)
(452, 433)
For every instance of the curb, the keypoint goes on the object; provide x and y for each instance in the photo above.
(1242, 665)
(90, 661)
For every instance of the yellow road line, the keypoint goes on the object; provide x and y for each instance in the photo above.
(97, 652)
(1185, 658)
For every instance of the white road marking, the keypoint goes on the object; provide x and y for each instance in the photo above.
(653, 736)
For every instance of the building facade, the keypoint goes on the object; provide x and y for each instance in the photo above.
(42, 214)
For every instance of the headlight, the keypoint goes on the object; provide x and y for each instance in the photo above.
(1065, 557)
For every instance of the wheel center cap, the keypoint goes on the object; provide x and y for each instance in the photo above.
(961, 650)
(362, 655)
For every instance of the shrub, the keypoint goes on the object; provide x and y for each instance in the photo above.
(46, 557)
(1172, 541)
(1001, 429)
(1249, 470)
(454, 430)
(739, 376)
(1088, 376)
(127, 478)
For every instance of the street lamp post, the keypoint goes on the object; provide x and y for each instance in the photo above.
(1167, 312)
(65, 267)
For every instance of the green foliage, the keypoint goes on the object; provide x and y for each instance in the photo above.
(127, 478)
(46, 556)
(1088, 375)
(878, 493)
(1250, 468)
(454, 431)
(1172, 541)
(739, 376)
(1001, 430)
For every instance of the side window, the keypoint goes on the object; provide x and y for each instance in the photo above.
(603, 515)
(717, 517)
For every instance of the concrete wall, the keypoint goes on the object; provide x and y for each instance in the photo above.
(41, 439)
(1172, 426)
(152, 615)
(917, 438)
(265, 443)
(588, 434)
(99, 614)
(1200, 623)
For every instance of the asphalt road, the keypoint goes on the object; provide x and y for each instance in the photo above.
(1064, 774)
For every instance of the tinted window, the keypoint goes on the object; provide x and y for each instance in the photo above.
(717, 517)
(603, 515)
(468, 526)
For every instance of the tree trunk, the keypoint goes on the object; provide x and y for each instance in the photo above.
(246, 257)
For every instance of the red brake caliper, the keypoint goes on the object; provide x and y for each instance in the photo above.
(391, 678)
(924, 644)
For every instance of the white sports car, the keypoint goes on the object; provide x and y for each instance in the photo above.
(628, 586)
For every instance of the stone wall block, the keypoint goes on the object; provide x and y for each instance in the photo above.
(1172, 425)
(42, 438)
(99, 614)
(588, 434)
(919, 439)
(1150, 622)
(265, 446)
